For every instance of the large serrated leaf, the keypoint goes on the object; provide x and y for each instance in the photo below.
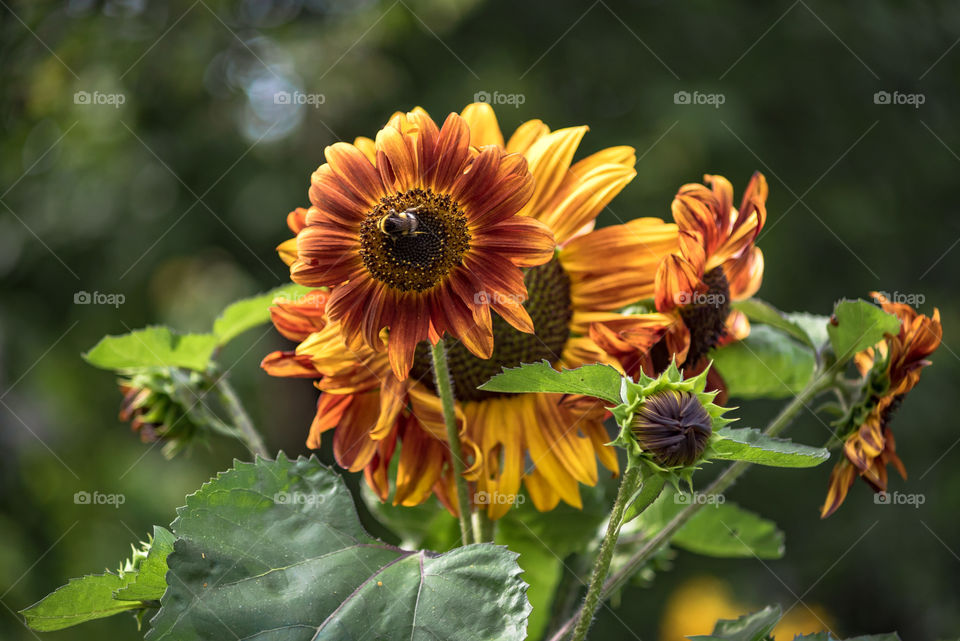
(767, 364)
(600, 381)
(857, 325)
(753, 446)
(274, 550)
(81, 600)
(246, 314)
(156, 346)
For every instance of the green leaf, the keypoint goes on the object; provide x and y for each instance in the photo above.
(857, 325)
(153, 347)
(750, 627)
(767, 364)
(763, 312)
(248, 313)
(752, 446)
(84, 599)
(720, 528)
(815, 325)
(150, 580)
(274, 550)
(826, 636)
(600, 381)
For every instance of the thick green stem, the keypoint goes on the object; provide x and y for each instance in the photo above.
(628, 487)
(241, 420)
(441, 374)
(484, 528)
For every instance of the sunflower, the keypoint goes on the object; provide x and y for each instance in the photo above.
(546, 442)
(890, 370)
(715, 263)
(407, 229)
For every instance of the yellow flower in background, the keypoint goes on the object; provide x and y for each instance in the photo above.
(545, 442)
(698, 603)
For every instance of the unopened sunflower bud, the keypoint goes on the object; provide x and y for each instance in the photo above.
(673, 426)
(152, 404)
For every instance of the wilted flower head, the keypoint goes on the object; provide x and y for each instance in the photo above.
(890, 370)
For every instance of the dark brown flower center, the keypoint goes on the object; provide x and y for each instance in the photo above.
(549, 306)
(705, 315)
(411, 241)
(673, 426)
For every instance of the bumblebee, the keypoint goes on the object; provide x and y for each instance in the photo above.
(396, 224)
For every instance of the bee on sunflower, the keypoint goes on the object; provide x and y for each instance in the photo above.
(406, 229)
(716, 262)
(546, 442)
(890, 370)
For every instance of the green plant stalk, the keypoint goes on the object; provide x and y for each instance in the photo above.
(241, 419)
(444, 384)
(484, 529)
(628, 487)
(819, 383)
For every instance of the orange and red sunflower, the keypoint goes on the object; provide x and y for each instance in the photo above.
(406, 230)
(545, 442)
(716, 262)
(890, 370)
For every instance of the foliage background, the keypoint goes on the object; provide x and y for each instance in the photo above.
(176, 199)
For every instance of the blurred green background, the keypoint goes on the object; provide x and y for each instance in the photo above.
(176, 198)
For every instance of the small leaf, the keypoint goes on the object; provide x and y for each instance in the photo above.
(767, 364)
(156, 346)
(858, 325)
(248, 313)
(599, 381)
(84, 599)
(752, 446)
(763, 312)
(720, 528)
(749, 627)
(275, 550)
(150, 581)
(815, 325)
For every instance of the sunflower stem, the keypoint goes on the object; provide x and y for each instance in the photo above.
(444, 384)
(628, 488)
(820, 382)
(241, 419)
(484, 528)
